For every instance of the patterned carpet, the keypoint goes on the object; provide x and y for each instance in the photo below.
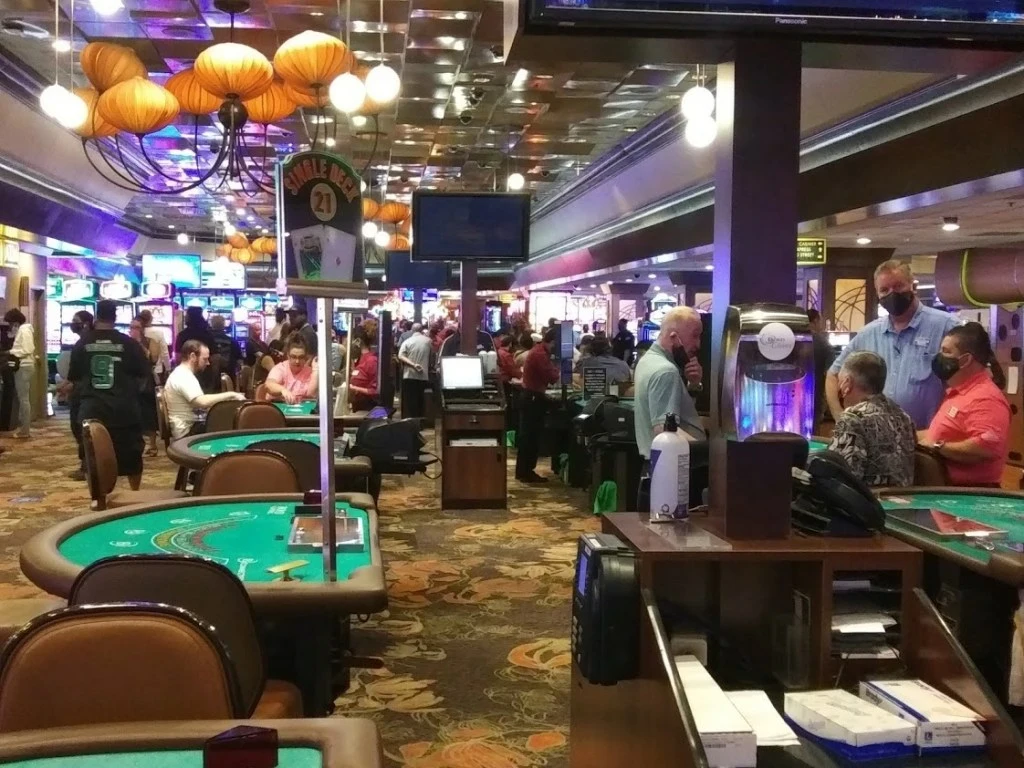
(475, 642)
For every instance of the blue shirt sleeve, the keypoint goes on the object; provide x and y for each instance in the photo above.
(667, 394)
(856, 344)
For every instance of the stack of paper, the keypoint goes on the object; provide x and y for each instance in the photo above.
(759, 712)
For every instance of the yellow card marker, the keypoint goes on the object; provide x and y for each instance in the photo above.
(286, 568)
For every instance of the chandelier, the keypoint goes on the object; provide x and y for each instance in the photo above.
(245, 90)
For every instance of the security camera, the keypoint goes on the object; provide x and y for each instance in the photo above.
(466, 117)
(477, 93)
(545, 173)
(636, 275)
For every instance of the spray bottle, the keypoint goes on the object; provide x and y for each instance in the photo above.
(670, 474)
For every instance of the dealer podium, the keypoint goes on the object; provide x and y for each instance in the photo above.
(473, 455)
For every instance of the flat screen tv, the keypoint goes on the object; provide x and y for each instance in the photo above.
(402, 272)
(956, 21)
(181, 270)
(470, 226)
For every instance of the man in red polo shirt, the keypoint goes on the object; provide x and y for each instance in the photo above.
(362, 384)
(538, 373)
(971, 429)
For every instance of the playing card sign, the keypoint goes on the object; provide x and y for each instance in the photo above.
(320, 220)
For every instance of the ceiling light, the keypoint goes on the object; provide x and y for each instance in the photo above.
(329, 141)
(709, 267)
(182, 238)
(263, 229)
(862, 240)
(240, 211)
(655, 288)
(950, 224)
(149, 215)
(250, 217)
(358, 121)
(369, 230)
(362, 185)
(629, 279)
(229, 230)
(62, 105)
(316, 13)
(106, 7)
(461, 16)
(60, 45)
(700, 132)
(382, 84)
(515, 182)
(593, 285)
(697, 102)
(382, 238)
(170, 226)
(651, 276)
(347, 93)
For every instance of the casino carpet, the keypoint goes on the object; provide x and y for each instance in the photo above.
(475, 643)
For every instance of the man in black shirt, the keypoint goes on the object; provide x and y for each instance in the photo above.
(299, 321)
(228, 353)
(107, 369)
(624, 342)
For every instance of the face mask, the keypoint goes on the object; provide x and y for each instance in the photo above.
(897, 303)
(77, 328)
(945, 367)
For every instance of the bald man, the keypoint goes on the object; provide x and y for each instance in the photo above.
(660, 385)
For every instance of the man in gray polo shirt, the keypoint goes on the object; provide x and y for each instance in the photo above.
(660, 388)
(907, 340)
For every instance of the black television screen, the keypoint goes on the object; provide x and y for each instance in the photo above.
(1001, 20)
(401, 272)
(455, 226)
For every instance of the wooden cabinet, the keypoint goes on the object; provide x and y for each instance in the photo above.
(474, 458)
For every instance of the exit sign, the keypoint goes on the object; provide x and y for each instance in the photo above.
(810, 251)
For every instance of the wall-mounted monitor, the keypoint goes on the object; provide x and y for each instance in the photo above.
(402, 272)
(469, 226)
(223, 274)
(182, 270)
(222, 303)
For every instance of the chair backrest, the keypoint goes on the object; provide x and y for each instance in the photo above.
(162, 421)
(117, 663)
(260, 394)
(100, 461)
(260, 370)
(259, 415)
(226, 384)
(245, 380)
(248, 471)
(201, 587)
(303, 455)
(929, 468)
(221, 416)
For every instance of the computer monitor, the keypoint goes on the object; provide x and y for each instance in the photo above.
(462, 373)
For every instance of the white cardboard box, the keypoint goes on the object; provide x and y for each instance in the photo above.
(851, 724)
(728, 739)
(942, 722)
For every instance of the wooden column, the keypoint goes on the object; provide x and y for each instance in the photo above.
(468, 314)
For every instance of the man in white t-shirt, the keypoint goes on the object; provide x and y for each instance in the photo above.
(163, 362)
(183, 395)
(414, 355)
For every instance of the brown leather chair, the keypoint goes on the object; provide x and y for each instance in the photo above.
(304, 456)
(211, 592)
(929, 468)
(239, 472)
(260, 394)
(162, 421)
(113, 664)
(101, 472)
(259, 415)
(226, 384)
(245, 381)
(221, 416)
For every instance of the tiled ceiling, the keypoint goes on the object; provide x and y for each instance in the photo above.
(463, 120)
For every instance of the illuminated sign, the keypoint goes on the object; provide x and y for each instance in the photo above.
(117, 289)
(79, 290)
(9, 254)
(155, 290)
(54, 287)
(221, 273)
(810, 251)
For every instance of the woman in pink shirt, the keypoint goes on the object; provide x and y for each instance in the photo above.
(295, 378)
(971, 429)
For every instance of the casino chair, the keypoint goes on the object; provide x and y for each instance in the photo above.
(221, 416)
(259, 415)
(260, 394)
(245, 381)
(305, 458)
(249, 471)
(116, 663)
(209, 591)
(226, 384)
(101, 473)
(929, 468)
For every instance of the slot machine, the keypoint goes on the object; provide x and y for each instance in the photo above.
(157, 298)
(79, 294)
(121, 292)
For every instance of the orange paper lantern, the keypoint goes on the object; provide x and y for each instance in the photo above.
(269, 246)
(311, 59)
(94, 127)
(238, 240)
(224, 249)
(393, 212)
(271, 106)
(233, 70)
(370, 208)
(138, 106)
(107, 64)
(405, 227)
(307, 97)
(241, 255)
(192, 97)
(399, 243)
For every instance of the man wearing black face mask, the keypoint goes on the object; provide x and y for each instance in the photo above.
(906, 339)
(660, 386)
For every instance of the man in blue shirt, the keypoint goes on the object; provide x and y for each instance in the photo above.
(907, 340)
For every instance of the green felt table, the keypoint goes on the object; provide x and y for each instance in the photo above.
(194, 451)
(301, 415)
(1002, 509)
(302, 408)
(287, 757)
(815, 445)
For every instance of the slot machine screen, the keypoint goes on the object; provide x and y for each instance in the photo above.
(163, 314)
(222, 303)
(124, 314)
(197, 301)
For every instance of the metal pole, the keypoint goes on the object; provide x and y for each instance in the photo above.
(325, 373)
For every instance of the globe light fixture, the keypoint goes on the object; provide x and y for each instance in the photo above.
(51, 100)
(61, 45)
(369, 230)
(229, 230)
(382, 84)
(515, 182)
(697, 102)
(950, 224)
(182, 238)
(382, 238)
(863, 240)
(67, 108)
(700, 132)
(106, 7)
(347, 93)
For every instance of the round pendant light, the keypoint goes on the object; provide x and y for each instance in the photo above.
(382, 84)
(515, 182)
(382, 238)
(93, 126)
(347, 93)
(697, 102)
(370, 231)
(700, 132)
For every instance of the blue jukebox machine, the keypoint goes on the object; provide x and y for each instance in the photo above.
(765, 406)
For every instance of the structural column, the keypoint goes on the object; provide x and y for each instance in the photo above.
(469, 312)
(756, 182)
